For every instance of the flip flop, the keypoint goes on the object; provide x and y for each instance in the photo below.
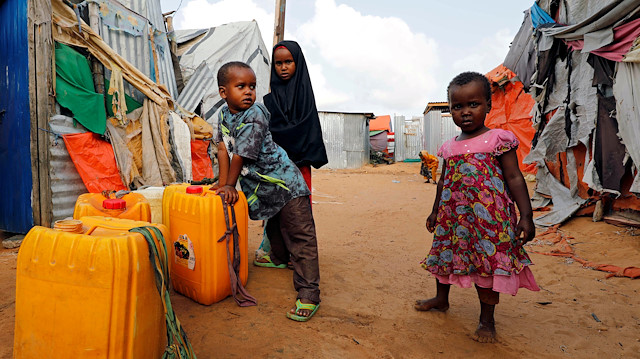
(269, 263)
(299, 305)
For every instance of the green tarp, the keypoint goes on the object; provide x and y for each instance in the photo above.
(75, 90)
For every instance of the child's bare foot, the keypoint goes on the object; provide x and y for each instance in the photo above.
(435, 303)
(486, 333)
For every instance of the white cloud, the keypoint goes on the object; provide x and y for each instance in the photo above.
(202, 14)
(386, 66)
(489, 53)
(326, 98)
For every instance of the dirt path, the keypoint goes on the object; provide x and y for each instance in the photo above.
(371, 234)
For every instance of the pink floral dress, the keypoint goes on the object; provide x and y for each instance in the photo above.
(474, 239)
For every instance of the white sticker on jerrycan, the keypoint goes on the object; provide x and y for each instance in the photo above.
(184, 254)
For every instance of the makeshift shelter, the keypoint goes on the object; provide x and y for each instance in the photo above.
(52, 118)
(346, 138)
(577, 60)
(202, 52)
(379, 129)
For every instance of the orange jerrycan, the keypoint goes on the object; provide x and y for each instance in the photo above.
(88, 291)
(200, 269)
(131, 206)
(169, 191)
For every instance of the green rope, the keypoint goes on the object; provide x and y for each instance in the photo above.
(178, 345)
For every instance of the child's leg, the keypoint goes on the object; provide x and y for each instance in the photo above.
(279, 253)
(299, 234)
(440, 302)
(486, 332)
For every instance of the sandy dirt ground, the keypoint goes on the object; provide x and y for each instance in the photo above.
(371, 236)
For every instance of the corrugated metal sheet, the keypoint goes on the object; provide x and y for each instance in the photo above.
(398, 129)
(408, 138)
(16, 184)
(413, 138)
(437, 130)
(136, 48)
(66, 184)
(346, 139)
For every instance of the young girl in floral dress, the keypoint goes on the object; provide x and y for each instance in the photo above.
(478, 238)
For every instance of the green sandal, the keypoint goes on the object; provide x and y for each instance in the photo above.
(269, 263)
(299, 305)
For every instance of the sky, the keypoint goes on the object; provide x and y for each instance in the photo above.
(388, 57)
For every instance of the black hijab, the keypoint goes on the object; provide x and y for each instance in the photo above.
(295, 125)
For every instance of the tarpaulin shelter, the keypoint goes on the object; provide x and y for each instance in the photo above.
(203, 51)
(576, 59)
(511, 110)
(379, 128)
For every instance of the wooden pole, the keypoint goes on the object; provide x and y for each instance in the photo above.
(278, 30)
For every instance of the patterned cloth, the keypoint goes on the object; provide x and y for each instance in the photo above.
(268, 178)
(474, 236)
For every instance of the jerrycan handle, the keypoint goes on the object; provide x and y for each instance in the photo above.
(93, 228)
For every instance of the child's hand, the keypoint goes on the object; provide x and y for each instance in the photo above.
(230, 193)
(525, 229)
(431, 222)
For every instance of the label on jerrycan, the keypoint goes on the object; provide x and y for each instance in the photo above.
(185, 255)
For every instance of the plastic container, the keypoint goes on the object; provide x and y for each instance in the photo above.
(131, 206)
(153, 195)
(88, 295)
(169, 191)
(199, 267)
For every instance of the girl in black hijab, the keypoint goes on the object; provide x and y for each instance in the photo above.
(294, 125)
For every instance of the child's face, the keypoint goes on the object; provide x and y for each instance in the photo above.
(469, 106)
(240, 90)
(283, 63)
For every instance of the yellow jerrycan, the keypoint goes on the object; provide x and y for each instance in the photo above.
(87, 290)
(196, 220)
(131, 206)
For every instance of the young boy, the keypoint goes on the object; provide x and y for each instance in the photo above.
(274, 187)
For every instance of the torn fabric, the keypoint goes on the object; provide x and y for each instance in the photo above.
(625, 90)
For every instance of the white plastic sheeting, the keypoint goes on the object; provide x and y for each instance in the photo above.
(238, 41)
(181, 138)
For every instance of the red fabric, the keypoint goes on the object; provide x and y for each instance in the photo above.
(306, 174)
(95, 161)
(510, 110)
(623, 38)
(200, 160)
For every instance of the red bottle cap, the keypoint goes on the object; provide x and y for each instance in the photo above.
(194, 189)
(114, 203)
